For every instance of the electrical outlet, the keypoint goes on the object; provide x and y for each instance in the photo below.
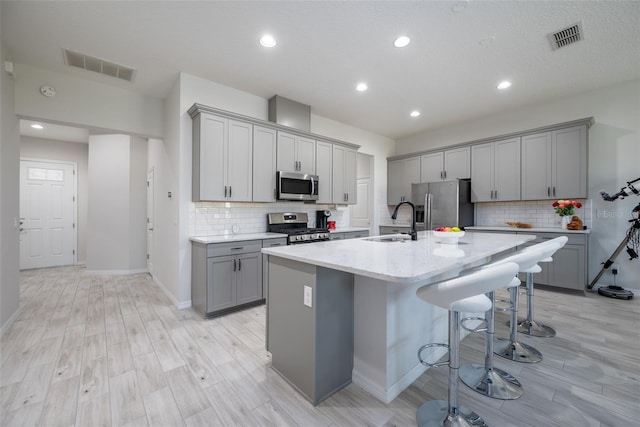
(615, 269)
(308, 296)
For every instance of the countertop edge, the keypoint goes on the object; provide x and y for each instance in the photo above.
(236, 237)
(532, 230)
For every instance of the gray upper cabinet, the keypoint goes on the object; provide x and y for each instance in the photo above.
(296, 153)
(495, 171)
(448, 164)
(400, 175)
(222, 159)
(345, 166)
(554, 164)
(264, 164)
(324, 170)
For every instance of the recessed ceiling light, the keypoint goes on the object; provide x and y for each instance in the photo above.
(415, 113)
(402, 41)
(460, 5)
(267, 40)
(37, 126)
(504, 85)
(361, 87)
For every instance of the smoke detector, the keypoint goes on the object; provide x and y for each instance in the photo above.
(98, 65)
(566, 36)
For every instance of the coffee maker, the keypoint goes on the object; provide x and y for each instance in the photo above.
(322, 217)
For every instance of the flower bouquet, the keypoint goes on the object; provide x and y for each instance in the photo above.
(565, 207)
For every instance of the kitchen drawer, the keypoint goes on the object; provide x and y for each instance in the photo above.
(574, 239)
(356, 234)
(394, 229)
(336, 236)
(271, 243)
(233, 248)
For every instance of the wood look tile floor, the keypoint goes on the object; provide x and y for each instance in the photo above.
(113, 351)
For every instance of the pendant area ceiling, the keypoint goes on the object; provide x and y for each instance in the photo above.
(459, 51)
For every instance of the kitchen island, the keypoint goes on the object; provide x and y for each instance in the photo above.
(342, 311)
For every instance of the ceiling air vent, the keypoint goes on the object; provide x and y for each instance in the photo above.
(566, 37)
(98, 65)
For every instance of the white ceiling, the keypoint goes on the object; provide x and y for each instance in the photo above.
(324, 48)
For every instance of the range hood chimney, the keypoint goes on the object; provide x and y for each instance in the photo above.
(290, 113)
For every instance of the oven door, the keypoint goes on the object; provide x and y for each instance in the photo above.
(297, 186)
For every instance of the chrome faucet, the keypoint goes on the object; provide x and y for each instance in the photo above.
(413, 233)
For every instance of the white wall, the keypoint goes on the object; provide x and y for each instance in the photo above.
(614, 150)
(38, 148)
(87, 104)
(117, 204)
(9, 201)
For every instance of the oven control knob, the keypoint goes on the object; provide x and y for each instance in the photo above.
(304, 237)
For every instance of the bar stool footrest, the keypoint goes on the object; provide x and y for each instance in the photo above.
(431, 345)
(481, 328)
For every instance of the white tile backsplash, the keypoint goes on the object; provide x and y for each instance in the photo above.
(218, 218)
(538, 213)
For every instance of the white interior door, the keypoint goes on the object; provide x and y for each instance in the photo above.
(47, 214)
(150, 192)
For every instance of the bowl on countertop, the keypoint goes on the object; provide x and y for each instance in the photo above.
(449, 237)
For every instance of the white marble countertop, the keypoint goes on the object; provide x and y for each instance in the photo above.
(348, 229)
(236, 237)
(506, 229)
(402, 261)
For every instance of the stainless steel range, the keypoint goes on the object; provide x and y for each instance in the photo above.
(295, 225)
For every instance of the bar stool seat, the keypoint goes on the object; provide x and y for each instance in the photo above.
(485, 378)
(461, 294)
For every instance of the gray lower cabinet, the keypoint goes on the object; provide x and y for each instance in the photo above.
(226, 276)
(394, 229)
(569, 267)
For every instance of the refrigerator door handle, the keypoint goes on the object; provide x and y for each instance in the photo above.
(427, 203)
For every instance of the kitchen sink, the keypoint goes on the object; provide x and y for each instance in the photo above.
(389, 239)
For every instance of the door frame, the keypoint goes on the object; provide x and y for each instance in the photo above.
(74, 208)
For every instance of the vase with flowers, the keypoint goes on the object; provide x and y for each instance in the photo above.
(564, 208)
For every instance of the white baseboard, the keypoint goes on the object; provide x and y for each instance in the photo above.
(9, 322)
(179, 305)
(116, 272)
(387, 395)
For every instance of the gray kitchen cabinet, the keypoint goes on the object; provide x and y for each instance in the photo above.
(345, 166)
(394, 229)
(448, 164)
(222, 159)
(336, 236)
(226, 276)
(495, 171)
(324, 170)
(356, 234)
(569, 267)
(554, 164)
(296, 153)
(264, 164)
(401, 174)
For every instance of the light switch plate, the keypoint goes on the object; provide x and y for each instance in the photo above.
(308, 296)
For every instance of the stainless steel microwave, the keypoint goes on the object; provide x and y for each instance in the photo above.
(296, 186)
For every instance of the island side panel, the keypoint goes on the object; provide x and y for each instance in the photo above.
(334, 331)
(312, 347)
(290, 323)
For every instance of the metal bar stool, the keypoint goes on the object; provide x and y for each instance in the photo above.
(529, 326)
(462, 294)
(486, 378)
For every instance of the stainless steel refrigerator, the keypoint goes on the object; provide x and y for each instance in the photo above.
(443, 204)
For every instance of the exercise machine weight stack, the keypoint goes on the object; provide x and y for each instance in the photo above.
(630, 242)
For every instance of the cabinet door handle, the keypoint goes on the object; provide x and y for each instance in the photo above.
(238, 248)
(239, 264)
(496, 193)
(225, 191)
(548, 191)
(441, 175)
(445, 174)
(554, 191)
(491, 196)
(234, 265)
(229, 191)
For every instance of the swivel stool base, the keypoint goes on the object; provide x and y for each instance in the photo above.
(494, 382)
(433, 412)
(517, 351)
(535, 329)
